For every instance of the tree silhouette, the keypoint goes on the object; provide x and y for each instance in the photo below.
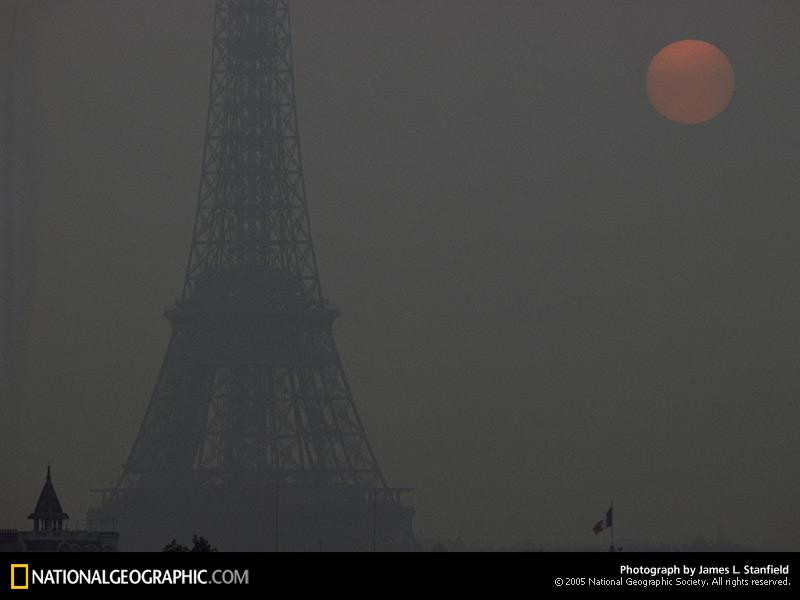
(199, 544)
(174, 546)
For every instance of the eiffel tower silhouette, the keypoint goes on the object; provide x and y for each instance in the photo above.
(251, 437)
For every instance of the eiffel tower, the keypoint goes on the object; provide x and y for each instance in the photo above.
(251, 437)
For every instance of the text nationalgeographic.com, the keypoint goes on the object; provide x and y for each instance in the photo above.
(139, 577)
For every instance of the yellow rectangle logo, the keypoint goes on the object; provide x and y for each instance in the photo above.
(16, 575)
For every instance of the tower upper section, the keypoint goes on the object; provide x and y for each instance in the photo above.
(252, 223)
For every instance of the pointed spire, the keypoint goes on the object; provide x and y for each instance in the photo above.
(48, 510)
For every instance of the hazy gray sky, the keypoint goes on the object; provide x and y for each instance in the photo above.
(551, 296)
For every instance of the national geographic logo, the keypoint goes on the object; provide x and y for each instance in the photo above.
(19, 576)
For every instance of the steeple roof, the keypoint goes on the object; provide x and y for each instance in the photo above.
(48, 507)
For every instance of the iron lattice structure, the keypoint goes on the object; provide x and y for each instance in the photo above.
(252, 387)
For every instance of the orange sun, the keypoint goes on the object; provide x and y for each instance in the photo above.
(690, 81)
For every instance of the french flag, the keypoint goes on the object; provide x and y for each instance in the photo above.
(605, 522)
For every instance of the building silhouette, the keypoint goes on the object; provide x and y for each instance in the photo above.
(53, 532)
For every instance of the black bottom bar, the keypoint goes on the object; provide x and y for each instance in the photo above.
(410, 573)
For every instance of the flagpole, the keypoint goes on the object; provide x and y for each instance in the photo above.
(612, 525)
